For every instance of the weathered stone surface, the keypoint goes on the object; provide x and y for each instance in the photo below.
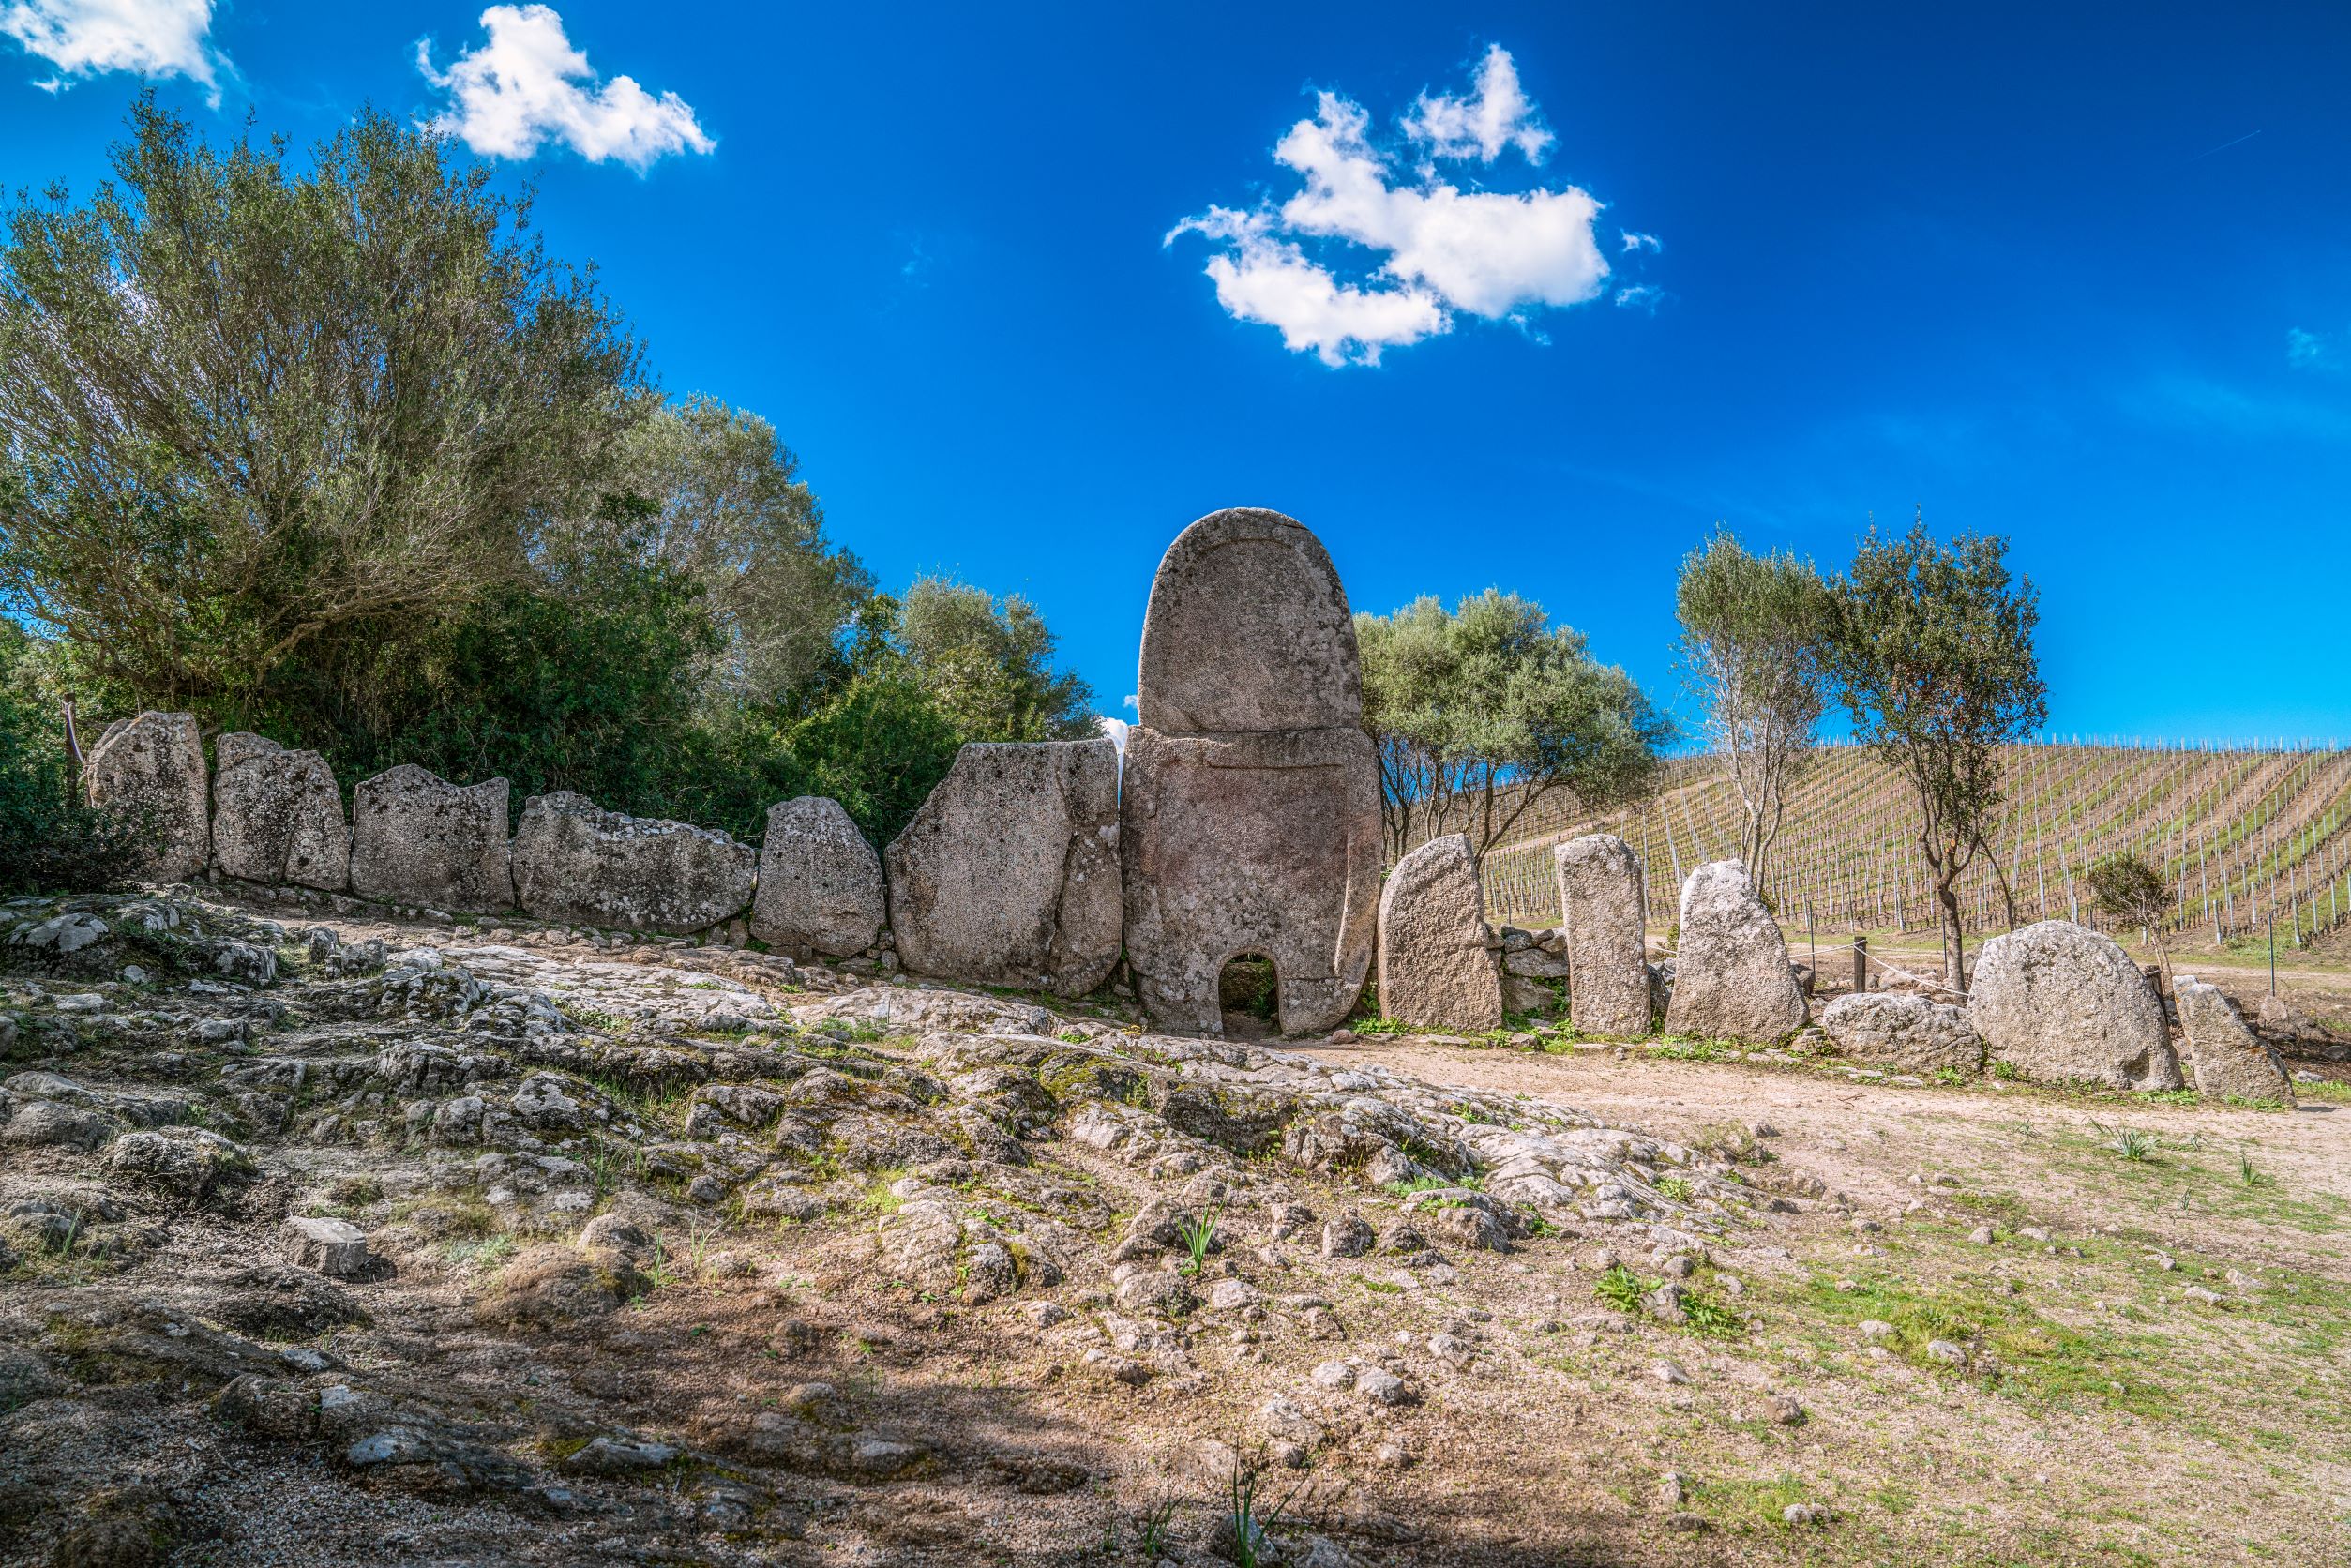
(1601, 916)
(577, 863)
(2225, 1055)
(1436, 962)
(1251, 809)
(1248, 630)
(1241, 844)
(2062, 1003)
(1731, 976)
(820, 881)
(155, 763)
(1009, 873)
(276, 816)
(1906, 1033)
(418, 839)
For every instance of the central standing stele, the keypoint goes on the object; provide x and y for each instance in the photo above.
(1249, 820)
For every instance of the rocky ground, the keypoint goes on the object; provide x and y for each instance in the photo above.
(356, 1241)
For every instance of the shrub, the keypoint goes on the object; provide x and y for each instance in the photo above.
(50, 840)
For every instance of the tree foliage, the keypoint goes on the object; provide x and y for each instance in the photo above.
(1754, 634)
(2124, 887)
(333, 451)
(50, 839)
(263, 412)
(1481, 711)
(988, 664)
(1933, 653)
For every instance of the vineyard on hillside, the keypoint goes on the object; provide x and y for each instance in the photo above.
(2243, 836)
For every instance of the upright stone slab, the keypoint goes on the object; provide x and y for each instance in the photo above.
(820, 881)
(418, 839)
(1437, 965)
(2060, 1002)
(1731, 976)
(1603, 921)
(2228, 1059)
(579, 865)
(276, 816)
(1251, 806)
(1009, 873)
(155, 765)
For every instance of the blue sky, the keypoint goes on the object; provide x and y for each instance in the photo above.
(2078, 275)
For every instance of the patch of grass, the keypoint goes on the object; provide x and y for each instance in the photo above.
(1435, 1183)
(1673, 1189)
(1198, 1237)
(1714, 1319)
(1680, 1048)
(2006, 1071)
(1378, 1027)
(2129, 1143)
(482, 1252)
(878, 1196)
(1745, 1504)
(2012, 1350)
(2248, 1176)
(1622, 1288)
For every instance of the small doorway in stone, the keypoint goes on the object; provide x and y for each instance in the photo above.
(1248, 993)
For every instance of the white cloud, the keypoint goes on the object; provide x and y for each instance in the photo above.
(2308, 350)
(1632, 242)
(528, 87)
(83, 37)
(1439, 250)
(1640, 296)
(1500, 116)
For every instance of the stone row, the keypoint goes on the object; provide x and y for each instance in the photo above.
(2053, 1002)
(1008, 875)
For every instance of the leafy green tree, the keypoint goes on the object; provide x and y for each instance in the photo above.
(1933, 654)
(1753, 635)
(878, 748)
(2125, 887)
(1481, 711)
(988, 664)
(263, 412)
(727, 511)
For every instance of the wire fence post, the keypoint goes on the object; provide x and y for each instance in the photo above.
(1860, 963)
(2273, 952)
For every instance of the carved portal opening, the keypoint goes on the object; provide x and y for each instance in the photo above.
(1248, 993)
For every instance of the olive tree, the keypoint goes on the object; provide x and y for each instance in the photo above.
(1932, 651)
(726, 508)
(1481, 711)
(1753, 635)
(257, 407)
(988, 664)
(2125, 887)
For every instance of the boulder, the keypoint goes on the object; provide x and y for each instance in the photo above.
(2060, 1002)
(155, 765)
(1251, 808)
(577, 864)
(276, 816)
(1009, 873)
(331, 1247)
(1437, 966)
(1731, 976)
(819, 882)
(1904, 1034)
(1603, 922)
(2229, 1059)
(417, 840)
